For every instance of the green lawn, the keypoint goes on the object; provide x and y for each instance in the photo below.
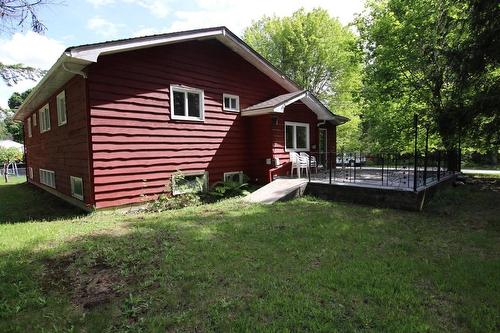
(304, 265)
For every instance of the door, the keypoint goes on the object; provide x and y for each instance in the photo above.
(323, 148)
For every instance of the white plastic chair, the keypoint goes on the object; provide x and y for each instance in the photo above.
(313, 164)
(299, 162)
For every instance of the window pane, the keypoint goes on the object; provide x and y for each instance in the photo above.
(289, 136)
(77, 187)
(232, 177)
(301, 136)
(227, 103)
(233, 103)
(47, 119)
(179, 103)
(193, 105)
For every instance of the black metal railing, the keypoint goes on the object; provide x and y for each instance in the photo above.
(399, 170)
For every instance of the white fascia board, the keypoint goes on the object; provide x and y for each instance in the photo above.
(92, 52)
(250, 113)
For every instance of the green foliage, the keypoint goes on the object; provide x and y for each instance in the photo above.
(169, 202)
(229, 189)
(16, 99)
(237, 267)
(10, 129)
(9, 155)
(320, 55)
(434, 58)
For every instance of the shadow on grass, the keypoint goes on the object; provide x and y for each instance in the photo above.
(23, 202)
(307, 264)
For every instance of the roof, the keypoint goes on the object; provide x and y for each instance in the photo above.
(277, 105)
(75, 59)
(11, 144)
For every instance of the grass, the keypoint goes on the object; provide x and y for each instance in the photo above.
(304, 265)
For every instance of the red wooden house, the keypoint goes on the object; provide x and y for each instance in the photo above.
(110, 123)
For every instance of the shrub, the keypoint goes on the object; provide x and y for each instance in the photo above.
(169, 202)
(228, 189)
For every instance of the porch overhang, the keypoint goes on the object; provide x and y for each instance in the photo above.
(276, 105)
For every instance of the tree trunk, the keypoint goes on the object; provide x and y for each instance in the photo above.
(6, 176)
(494, 157)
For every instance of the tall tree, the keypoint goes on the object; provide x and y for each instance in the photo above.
(421, 57)
(318, 53)
(13, 129)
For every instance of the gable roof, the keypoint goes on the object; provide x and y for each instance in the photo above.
(277, 105)
(74, 60)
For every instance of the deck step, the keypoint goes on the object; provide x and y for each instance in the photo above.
(278, 190)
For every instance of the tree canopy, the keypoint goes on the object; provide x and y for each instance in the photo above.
(436, 58)
(320, 55)
(10, 129)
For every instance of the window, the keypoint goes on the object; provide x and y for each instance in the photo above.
(34, 119)
(48, 177)
(189, 183)
(186, 103)
(76, 187)
(44, 114)
(61, 108)
(296, 136)
(236, 177)
(29, 127)
(30, 172)
(231, 103)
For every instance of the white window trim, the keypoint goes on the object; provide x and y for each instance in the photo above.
(185, 90)
(224, 96)
(30, 133)
(42, 118)
(61, 95)
(200, 173)
(30, 172)
(41, 171)
(295, 125)
(73, 194)
(34, 119)
(240, 173)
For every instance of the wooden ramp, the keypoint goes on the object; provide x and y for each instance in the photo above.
(278, 190)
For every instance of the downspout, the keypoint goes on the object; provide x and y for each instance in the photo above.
(321, 123)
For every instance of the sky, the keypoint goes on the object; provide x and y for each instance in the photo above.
(76, 22)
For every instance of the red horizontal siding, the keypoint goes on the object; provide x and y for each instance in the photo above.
(136, 146)
(63, 149)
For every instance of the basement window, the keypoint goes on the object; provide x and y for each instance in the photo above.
(296, 136)
(76, 187)
(235, 177)
(231, 103)
(61, 108)
(44, 117)
(186, 103)
(48, 177)
(192, 182)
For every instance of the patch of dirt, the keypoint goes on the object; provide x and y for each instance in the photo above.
(97, 286)
(88, 288)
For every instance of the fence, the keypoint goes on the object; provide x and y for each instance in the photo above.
(398, 170)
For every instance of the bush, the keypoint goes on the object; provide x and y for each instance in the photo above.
(169, 202)
(228, 189)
